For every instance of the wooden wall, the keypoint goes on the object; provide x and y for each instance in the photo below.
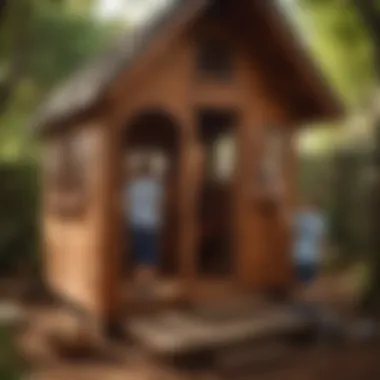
(73, 243)
(83, 254)
(170, 83)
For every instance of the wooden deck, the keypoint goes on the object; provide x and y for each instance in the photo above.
(200, 329)
(170, 294)
(264, 361)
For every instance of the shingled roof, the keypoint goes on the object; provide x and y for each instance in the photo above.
(86, 87)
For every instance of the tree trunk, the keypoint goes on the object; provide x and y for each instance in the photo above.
(370, 14)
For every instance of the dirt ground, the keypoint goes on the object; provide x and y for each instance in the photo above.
(348, 363)
(312, 362)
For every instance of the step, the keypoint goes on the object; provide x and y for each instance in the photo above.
(186, 333)
(52, 334)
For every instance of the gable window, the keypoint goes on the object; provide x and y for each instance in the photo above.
(215, 60)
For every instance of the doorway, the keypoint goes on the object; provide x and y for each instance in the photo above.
(154, 135)
(217, 129)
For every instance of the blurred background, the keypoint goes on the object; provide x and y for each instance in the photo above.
(43, 41)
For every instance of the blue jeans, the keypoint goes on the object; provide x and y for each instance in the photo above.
(305, 272)
(144, 246)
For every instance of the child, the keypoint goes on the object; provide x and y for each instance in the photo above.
(144, 195)
(309, 230)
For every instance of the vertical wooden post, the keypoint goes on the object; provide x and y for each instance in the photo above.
(190, 172)
(112, 226)
(291, 199)
(250, 244)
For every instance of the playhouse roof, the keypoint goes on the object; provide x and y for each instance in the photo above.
(87, 87)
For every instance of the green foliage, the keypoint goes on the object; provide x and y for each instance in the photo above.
(61, 42)
(62, 35)
(350, 201)
(342, 45)
(19, 194)
(341, 181)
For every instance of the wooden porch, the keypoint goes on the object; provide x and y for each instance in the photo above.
(171, 293)
(216, 326)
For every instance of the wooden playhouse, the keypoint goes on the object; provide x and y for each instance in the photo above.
(200, 75)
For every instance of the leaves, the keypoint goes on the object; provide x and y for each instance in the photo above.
(57, 38)
(342, 44)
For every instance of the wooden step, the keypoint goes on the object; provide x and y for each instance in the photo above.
(185, 333)
(54, 334)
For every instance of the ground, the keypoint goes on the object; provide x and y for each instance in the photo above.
(307, 362)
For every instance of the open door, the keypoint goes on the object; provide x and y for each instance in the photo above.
(153, 134)
(216, 194)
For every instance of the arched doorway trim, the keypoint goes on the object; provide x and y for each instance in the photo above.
(156, 130)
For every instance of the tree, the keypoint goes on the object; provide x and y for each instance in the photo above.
(15, 22)
(369, 10)
(342, 45)
(55, 38)
(360, 39)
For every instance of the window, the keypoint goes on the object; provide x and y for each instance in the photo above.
(224, 158)
(215, 60)
(66, 164)
(217, 133)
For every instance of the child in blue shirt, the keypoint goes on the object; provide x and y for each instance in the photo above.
(144, 207)
(308, 232)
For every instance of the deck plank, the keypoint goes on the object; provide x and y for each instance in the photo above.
(182, 332)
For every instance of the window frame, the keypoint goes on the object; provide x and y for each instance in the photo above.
(66, 179)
